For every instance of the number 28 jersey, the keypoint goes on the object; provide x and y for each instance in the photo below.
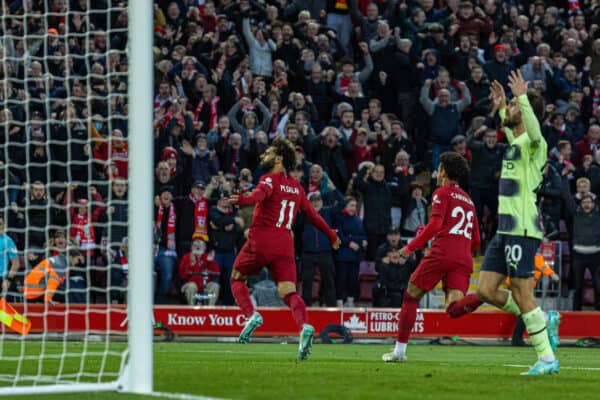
(460, 227)
(278, 198)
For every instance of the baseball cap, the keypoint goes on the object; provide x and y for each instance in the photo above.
(314, 196)
(198, 185)
(165, 188)
(394, 230)
(223, 194)
(457, 139)
(168, 152)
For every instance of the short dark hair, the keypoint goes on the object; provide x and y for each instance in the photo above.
(285, 149)
(455, 166)
(588, 196)
(537, 104)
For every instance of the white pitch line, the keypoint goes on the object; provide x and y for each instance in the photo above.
(561, 367)
(181, 396)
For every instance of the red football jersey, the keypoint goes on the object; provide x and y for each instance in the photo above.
(453, 226)
(278, 198)
(460, 228)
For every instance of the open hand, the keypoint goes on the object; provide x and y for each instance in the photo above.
(517, 84)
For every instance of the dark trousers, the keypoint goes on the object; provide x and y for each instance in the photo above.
(382, 297)
(580, 263)
(225, 261)
(374, 240)
(323, 261)
(485, 198)
(346, 279)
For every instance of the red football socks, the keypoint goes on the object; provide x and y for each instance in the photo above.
(298, 308)
(466, 305)
(408, 315)
(242, 297)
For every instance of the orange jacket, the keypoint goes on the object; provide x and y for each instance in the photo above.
(45, 278)
(541, 269)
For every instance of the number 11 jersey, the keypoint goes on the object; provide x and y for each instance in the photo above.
(459, 227)
(282, 198)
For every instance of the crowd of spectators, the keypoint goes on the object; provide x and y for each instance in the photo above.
(369, 92)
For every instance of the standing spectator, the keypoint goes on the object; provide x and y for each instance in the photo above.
(165, 241)
(250, 119)
(114, 150)
(317, 251)
(36, 205)
(590, 144)
(260, 50)
(199, 272)
(225, 228)
(351, 232)
(392, 243)
(8, 255)
(486, 162)
(192, 217)
(445, 117)
(204, 162)
(82, 220)
(550, 195)
(499, 67)
(330, 150)
(348, 74)
(416, 211)
(338, 19)
(400, 178)
(586, 242)
(377, 201)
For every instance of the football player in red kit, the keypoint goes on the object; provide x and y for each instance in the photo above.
(455, 232)
(278, 198)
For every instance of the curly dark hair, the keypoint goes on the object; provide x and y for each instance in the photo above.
(455, 166)
(285, 148)
(538, 104)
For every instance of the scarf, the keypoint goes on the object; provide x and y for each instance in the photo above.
(170, 228)
(200, 218)
(346, 212)
(83, 232)
(235, 160)
(344, 83)
(214, 114)
(123, 261)
(595, 101)
(313, 187)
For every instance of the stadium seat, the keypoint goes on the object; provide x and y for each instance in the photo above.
(366, 279)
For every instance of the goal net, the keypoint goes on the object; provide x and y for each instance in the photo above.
(66, 171)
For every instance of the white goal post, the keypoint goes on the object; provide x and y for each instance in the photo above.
(134, 373)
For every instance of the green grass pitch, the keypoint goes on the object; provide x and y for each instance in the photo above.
(270, 371)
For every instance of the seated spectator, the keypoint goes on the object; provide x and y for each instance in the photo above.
(347, 259)
(199, 273)
(557, 130)
(392, 280)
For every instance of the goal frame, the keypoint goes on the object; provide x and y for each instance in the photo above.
(137, 374)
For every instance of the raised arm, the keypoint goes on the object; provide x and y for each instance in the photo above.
(263, 190)
(466, 98)
(318, 221)
(519, 88)
(426, 102)
(499, 104)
